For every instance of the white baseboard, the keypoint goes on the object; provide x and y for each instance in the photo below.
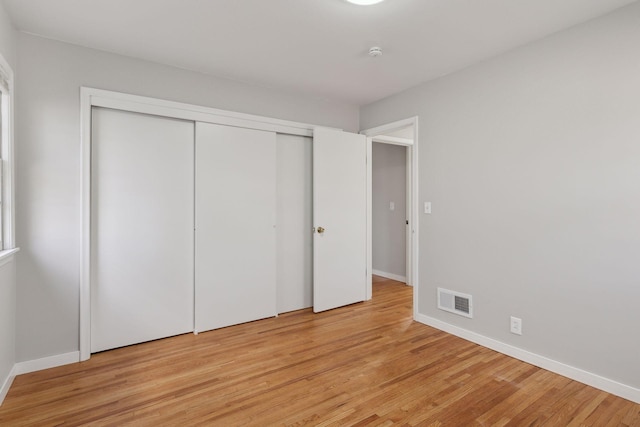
(46, 363)
(391, 276)
(593, 380)
(6, 385)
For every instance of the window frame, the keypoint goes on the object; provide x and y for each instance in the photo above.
(7, 158)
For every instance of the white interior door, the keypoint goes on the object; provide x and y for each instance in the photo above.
(235, 225)
(141, 228)
(339, 216)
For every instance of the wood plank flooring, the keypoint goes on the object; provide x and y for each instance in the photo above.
(366, 364)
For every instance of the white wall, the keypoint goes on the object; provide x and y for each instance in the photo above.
(7, 38)
(7, 270)
(48, 151)
(389, 182)
(532, 162)
(7, 322)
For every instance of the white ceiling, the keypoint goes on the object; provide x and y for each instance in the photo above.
(314, 47)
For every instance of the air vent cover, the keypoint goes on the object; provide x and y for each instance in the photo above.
(455, 302)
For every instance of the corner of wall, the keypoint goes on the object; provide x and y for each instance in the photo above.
(6, 385)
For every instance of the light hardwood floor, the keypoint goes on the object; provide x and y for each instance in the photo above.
(366, 364)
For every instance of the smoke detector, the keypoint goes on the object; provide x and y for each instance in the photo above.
(375, 51)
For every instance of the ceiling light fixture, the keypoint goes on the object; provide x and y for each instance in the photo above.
(364, 2)
(375, 51)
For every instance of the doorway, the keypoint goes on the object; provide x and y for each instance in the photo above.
(390, 219)
(404, 135)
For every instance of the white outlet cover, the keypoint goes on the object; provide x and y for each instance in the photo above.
(516, 325)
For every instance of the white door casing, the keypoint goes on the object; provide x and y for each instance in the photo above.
(412, 199)
(235, 264)
(141, 228)
(340, 218)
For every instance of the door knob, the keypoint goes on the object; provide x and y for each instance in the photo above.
(320, 230)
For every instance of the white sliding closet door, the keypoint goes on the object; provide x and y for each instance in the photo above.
(295, 222)
(235, 225)
(141, 228)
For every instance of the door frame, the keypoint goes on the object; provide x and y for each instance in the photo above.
(378, 134)
(91, 97)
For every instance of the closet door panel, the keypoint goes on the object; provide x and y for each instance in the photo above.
(235, 271)
(295, 222)
(141, 228)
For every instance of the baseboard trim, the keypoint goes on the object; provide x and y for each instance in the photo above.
(46, 363)
(391, 276)
(7, 385)
(588, 378)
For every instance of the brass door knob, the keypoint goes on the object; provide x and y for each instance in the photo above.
(320, 230)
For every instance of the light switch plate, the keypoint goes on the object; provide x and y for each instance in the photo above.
(427, 207)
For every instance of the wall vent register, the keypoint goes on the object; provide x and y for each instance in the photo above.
(455, 302)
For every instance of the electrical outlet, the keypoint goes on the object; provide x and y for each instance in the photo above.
(516, 325)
